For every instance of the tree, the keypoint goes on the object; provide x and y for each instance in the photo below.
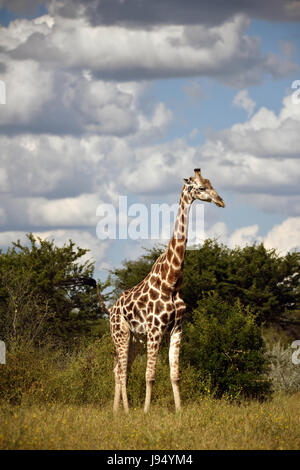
(34, 303)
(259, 277)
(225, 344)
(132, 272)
(262, 280)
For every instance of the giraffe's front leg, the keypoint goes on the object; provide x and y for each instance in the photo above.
(175, 340)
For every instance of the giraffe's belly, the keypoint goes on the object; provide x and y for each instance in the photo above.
(151, 321)
(138, 326)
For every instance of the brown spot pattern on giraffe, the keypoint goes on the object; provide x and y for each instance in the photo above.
(149, 308)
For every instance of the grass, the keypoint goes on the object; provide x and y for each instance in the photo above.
(54, 400)
(205, 424)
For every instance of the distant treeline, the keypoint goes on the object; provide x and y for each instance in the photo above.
(36, 305)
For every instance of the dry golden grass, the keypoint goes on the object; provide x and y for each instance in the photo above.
(207, 424)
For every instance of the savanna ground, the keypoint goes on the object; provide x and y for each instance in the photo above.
(205, 424)
(58, 401)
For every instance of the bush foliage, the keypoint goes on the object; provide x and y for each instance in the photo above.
(225, 344)
(267, 283)
(35, 306)
(85, 376)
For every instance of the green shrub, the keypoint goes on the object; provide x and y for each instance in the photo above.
(88, 378)
(46, 375)
(37, 305)
(222, 354)
(28, 372)
(225, 344)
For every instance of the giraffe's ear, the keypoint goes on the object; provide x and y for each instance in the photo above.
(187, 180)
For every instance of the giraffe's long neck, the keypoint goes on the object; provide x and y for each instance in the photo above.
(172, 266)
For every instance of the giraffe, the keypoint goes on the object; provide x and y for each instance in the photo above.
(144, 313)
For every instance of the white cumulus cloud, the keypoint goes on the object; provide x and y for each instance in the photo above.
(243, 100)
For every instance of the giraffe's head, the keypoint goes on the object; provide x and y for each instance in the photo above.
(196, 187)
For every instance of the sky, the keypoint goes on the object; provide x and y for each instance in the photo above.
(107, 98)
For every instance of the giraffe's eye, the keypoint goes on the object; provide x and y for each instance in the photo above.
(201, 188)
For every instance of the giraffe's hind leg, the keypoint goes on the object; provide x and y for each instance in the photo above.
(117, 373)
(121, 337)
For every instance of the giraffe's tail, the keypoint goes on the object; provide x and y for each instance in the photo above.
(87, 281)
